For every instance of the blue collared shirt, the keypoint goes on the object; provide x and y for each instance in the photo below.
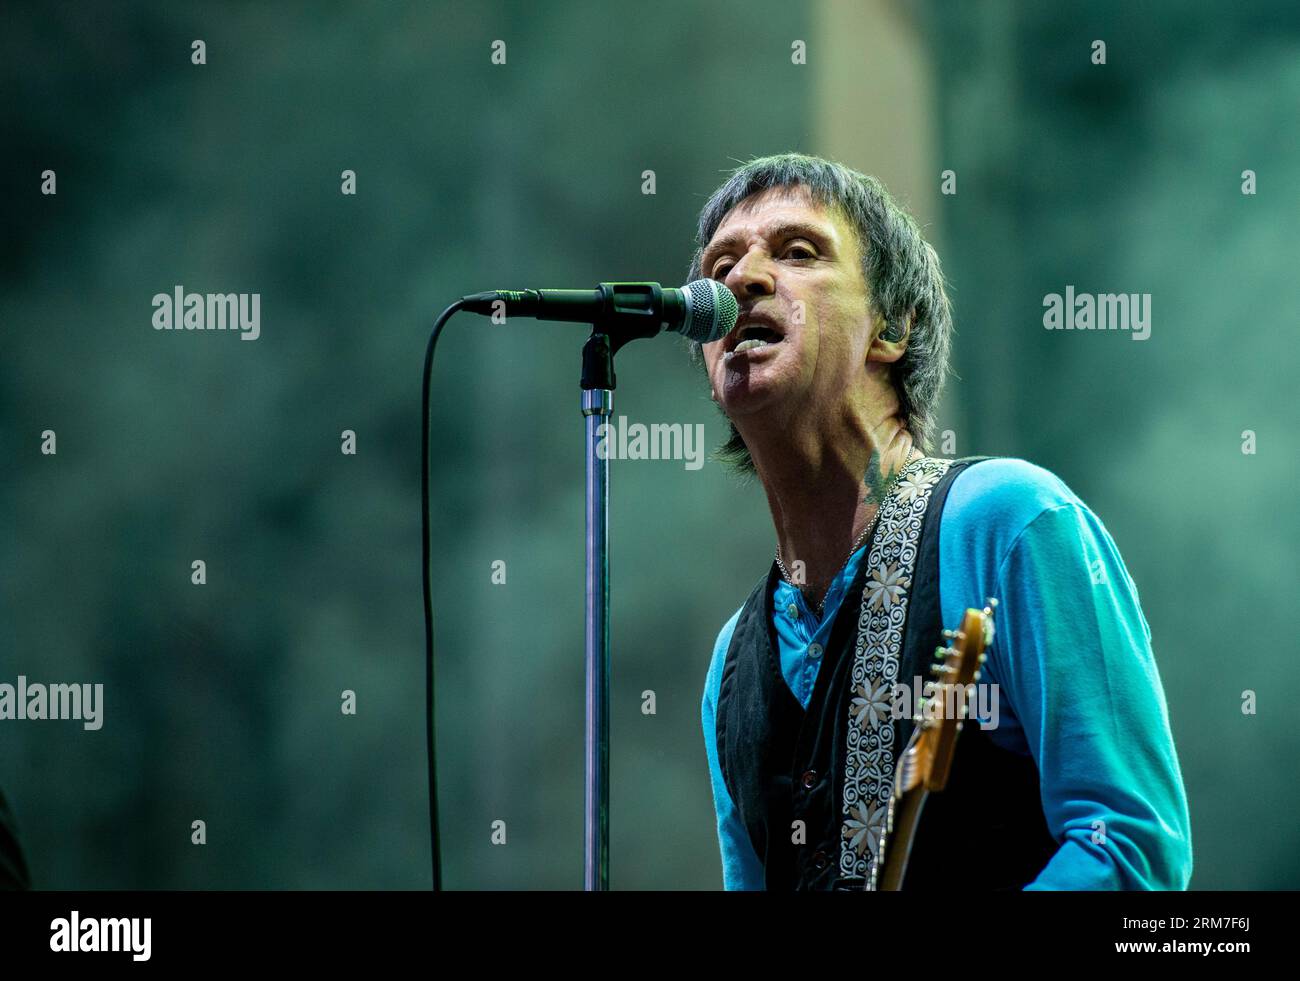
(1077, 680)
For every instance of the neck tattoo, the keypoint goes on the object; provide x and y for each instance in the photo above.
(879, 489)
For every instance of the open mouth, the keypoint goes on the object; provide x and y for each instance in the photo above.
(754, 336)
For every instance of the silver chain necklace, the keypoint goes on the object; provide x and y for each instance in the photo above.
(785, 574)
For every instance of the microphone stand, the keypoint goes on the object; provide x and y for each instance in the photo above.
(624, 312)
(626, 316)
(597, 403)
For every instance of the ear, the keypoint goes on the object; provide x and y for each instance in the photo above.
(891, 343)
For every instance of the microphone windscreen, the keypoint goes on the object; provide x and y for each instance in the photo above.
(711, 311)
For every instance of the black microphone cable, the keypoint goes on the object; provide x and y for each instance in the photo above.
(704, 308)
(432, 746)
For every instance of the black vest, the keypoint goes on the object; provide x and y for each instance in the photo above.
(782, 763)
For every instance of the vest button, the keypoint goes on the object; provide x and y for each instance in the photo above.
(814, 651)
(819, 859)
(810, 779)
(792, 612)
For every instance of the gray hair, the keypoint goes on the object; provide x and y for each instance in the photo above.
(900, 268)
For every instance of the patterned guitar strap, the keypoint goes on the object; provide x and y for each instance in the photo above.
(869, 761)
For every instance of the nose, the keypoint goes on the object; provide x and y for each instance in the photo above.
(751, 276)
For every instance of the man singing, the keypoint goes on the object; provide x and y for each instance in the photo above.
(831, 380)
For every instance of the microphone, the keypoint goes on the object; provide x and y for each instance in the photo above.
(703, 310)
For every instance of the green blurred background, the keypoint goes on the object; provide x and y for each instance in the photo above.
(222, 701)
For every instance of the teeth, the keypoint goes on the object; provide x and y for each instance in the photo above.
(749, 345)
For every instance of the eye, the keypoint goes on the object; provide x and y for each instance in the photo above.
(807, 252)
(720, 271)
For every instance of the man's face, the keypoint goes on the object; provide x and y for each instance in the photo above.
(796, 271)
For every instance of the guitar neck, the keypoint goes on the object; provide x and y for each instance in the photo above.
(923, 767)
(896, 845)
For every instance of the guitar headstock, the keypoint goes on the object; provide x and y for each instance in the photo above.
(929, 753)
(924, 764)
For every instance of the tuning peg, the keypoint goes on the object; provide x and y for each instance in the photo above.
(990, 605)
